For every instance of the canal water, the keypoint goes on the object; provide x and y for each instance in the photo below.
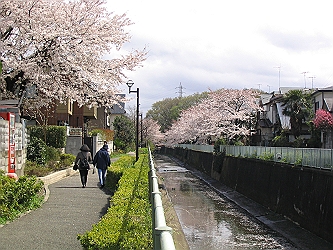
(210, 221)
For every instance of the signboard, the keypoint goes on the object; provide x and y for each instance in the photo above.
(10, 117)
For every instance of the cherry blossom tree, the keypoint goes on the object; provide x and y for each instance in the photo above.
(323, 120)
(151, 131)
(225, 113)
(59, 47)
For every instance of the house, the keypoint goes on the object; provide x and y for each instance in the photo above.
(323, 99)
(271, 121)
(106, 116)
(72, 115)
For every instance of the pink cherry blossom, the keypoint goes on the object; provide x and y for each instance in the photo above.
(225, 113)
(67, 49)
(323, 119)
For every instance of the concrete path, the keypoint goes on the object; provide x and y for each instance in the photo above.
(69, 210)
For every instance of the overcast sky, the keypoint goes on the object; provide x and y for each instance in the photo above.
(215, 44)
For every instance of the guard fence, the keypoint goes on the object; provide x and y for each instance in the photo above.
(310, 157)
(162, 234)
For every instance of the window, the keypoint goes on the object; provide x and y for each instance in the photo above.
(316, 106)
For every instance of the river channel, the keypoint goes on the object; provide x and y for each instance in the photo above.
(209, 220)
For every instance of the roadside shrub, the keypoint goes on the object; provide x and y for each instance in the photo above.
(218, 143)
(299, 143)
(17, 197)
(36, 151)
(127, 224)
(34, 169)
(116, 171)
(281, 140)
(53, 136)
(267, 156)
(66, 160)
(52, 154)
(56, 136)
(315, 140)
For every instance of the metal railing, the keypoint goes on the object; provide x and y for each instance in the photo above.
(162, 234)
(311, 157)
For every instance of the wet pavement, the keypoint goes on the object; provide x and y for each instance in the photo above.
(213, 216)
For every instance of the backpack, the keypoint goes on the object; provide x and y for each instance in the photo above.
(84, 164)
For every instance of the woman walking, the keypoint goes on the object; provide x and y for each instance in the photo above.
(83, 159)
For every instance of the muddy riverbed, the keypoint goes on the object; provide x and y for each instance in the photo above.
(211, 221)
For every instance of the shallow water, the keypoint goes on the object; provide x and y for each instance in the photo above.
(210, 221)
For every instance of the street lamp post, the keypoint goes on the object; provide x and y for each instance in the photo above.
(141, 137)
(130, 84)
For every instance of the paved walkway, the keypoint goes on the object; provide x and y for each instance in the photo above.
(69, 210)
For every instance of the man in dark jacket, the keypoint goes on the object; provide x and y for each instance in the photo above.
(102, 162)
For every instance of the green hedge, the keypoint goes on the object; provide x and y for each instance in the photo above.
(53, 136)
(116, 171)
(127, 224)
(36, 150)
(17, 197)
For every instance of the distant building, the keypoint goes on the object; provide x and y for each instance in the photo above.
(271, 121)
(323, 99)
(70, 114)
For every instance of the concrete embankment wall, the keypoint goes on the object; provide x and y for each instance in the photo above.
(302, 194)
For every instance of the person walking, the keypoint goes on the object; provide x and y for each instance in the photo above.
(102, 161)
(83, 159)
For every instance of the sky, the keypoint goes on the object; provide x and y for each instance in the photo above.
(214, 44)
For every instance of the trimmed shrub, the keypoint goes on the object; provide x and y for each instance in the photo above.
(36, 151)
(116, 171)
(66, 160)
(53, 136)
(17, 197)
(127, 224)
(52, 154)
(34, 169)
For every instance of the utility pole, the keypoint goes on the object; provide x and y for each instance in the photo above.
(180, 92)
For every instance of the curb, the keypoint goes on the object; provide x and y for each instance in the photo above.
(57, 176)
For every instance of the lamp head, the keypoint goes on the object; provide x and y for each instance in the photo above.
(130, 84)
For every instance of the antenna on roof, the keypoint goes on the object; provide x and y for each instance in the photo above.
(305, 72)
(312, 77)
(269, 88)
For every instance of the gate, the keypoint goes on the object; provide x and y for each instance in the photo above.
(89, 142)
